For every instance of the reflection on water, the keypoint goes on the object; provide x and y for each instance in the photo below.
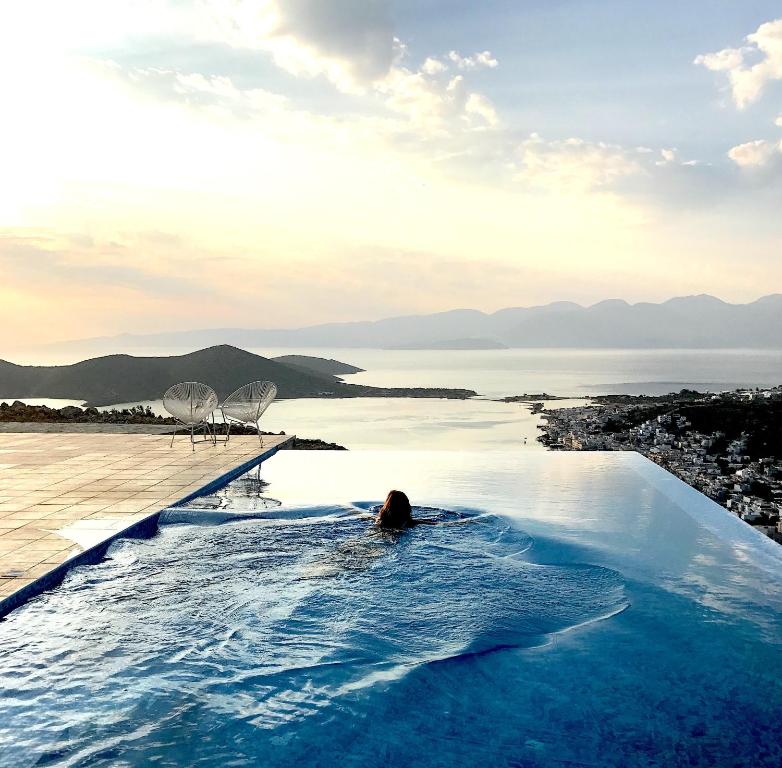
(404, 423)
(398, 423)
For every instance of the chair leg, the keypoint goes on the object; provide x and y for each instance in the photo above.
(173, 435)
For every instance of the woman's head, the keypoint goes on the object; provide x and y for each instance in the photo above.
(395, 512)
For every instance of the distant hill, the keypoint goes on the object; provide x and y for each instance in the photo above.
(125, 379)
(690, 322)
(453, 344)
(320, 365)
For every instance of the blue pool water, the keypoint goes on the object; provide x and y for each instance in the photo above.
(568, 610)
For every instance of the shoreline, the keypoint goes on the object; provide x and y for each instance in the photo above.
(20, 418)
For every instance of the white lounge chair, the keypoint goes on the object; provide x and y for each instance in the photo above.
(193, 405)
(247, 404)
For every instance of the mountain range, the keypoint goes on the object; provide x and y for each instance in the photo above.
(690, 322)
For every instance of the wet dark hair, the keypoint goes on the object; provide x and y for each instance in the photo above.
(395, 512)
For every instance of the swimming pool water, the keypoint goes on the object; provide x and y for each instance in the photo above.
(567, 610)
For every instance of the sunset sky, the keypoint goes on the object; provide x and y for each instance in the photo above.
(266, 163)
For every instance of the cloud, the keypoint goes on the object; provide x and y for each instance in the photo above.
(748, 80)
(756, 154)
(574, 164)
(431, 105)
(198, 90)
(435, 104)
(750, 69)
(433, 66)
(479, 106)
(76, 260)
(476, 61)
(351, 42)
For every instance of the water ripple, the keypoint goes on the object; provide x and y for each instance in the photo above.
(278, 618)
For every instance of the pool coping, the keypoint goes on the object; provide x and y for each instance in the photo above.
(140, 529)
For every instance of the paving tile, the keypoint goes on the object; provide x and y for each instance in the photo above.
(50, 524)
(39, 570)
(46, 544)
(25, 533)
(20, 560)
(28, 514)
(60, 557)
(9, 586)
(44, 510)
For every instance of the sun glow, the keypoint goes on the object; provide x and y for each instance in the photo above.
(142, 179)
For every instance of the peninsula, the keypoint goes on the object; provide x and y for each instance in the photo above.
(127, 379)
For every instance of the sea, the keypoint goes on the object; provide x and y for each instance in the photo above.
(485, 422)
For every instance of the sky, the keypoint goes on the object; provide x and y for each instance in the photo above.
(180, 164)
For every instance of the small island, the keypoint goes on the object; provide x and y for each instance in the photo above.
(456, 344)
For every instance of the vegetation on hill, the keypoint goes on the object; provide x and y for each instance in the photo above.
(759, 419)
(734, 416)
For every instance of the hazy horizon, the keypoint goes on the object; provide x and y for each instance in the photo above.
(425, 314)
(185, 164)
(702, 322)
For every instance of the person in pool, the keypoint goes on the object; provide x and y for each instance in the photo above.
(396, 513)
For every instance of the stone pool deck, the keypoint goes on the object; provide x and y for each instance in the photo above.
(63, 495)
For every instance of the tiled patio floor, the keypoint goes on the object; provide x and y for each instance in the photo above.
(63, 493)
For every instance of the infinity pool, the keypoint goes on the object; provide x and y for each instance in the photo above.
(570, 609)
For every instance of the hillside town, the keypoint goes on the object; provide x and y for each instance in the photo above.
(738, 465)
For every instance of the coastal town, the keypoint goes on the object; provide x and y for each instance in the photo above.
(727, 445)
